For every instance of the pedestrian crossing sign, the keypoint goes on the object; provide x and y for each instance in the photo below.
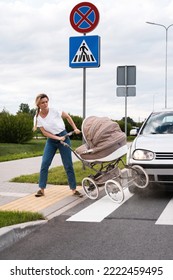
(84, 51)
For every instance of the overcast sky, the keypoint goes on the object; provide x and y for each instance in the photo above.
(34, 56)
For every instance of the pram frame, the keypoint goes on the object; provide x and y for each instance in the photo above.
(110, 176)
(114, 180)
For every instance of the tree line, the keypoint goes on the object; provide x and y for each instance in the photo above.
(19, 128)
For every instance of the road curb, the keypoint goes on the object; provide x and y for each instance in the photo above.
(11, 234)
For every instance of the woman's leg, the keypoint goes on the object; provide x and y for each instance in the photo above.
(66, 157)
(49, 153)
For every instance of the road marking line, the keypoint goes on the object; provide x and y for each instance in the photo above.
(97, 211)
(166, 218)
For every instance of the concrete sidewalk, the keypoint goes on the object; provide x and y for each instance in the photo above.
(21, 197)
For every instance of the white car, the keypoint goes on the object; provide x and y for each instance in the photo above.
(153, 147)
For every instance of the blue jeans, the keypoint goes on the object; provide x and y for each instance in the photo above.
(49, 152)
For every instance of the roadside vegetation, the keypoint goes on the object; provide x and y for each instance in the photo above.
(33, 148)
(57, 175)
(12, 151)
(8, 218)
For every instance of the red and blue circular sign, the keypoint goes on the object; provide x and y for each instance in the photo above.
(84, 17)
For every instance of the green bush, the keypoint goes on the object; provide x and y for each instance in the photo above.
(15, 129)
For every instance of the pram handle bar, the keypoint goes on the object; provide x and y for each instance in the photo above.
(66, 145)
(67, 135)
(87, 152)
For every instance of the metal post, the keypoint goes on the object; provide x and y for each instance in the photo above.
(166, 29)
(166, 68)
(84, 93)
(84, 103)
(126, 100)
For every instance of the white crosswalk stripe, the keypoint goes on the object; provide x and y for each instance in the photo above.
(99, 210)
(166, 218)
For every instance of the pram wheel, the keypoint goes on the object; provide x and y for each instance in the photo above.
(139, 176)
(114, 190)
(90, 188)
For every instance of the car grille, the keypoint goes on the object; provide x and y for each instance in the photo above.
(165, 156)
(165, 178)
(161, 178)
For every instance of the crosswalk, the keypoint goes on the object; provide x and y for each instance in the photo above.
(166, 217)
(99, 210)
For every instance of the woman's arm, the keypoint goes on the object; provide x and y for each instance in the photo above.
(50, 135)
(71, 122)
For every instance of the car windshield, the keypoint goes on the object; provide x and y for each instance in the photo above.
(159, 123)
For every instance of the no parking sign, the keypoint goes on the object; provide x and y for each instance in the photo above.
(84, 17)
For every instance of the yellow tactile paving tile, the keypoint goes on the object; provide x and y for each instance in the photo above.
(35, 204)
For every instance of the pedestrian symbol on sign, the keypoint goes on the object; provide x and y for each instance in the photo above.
(83, 54)
(84, 51)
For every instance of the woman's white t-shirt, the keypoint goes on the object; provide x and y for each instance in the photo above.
(53, 122)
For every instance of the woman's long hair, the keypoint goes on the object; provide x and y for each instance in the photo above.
(37, 102)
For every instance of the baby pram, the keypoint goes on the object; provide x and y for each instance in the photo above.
(105, 145)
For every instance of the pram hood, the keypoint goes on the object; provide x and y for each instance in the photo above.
(102, 136)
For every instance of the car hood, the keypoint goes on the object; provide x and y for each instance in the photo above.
(155, 142)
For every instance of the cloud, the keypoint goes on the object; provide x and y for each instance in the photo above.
(34, 56)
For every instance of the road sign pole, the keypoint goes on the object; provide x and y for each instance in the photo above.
(84, 104)
(126, 100)
(84, 100)
(84, 90)
(84, 93)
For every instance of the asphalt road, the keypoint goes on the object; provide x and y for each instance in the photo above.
(128, 233)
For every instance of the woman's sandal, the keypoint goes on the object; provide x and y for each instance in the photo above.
(39, 194)
(76, 193)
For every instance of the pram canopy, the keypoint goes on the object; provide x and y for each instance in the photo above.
(102, 137)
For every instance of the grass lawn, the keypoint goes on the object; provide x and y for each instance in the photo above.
(30, 149)
(10, 151)
(8, 218)
(57, 175)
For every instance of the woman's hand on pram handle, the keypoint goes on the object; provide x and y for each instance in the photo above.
(61, 138)
(77, 131)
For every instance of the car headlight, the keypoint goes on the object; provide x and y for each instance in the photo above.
(143, 155)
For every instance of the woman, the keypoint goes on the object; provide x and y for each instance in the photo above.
(50, 122)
